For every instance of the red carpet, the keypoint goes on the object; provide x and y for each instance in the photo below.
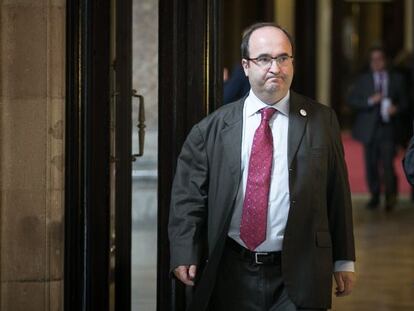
(354, 158)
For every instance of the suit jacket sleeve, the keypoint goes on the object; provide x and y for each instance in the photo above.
(401, 98)
(188, 209)
(359, 94)
(408, 162)
(339, 199)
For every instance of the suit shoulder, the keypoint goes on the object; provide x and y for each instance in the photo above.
(395, 75)
(231, 110)
(362, 78)
(313, 104)
(318, 113)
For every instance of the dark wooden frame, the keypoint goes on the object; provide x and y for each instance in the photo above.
(74, 218)
(123, 153)
(304, 81)
(87, 156)
(184, 98)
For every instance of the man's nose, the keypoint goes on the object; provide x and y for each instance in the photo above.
(274, 67)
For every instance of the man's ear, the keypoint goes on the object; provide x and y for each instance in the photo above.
(245, 65)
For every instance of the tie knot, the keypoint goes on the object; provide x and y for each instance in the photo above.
(267, 113)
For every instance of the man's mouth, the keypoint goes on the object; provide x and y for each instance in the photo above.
(276, 78)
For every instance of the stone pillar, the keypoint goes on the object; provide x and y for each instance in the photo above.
(285, 15)
(32, 90)
(408, 25)
(323, 51)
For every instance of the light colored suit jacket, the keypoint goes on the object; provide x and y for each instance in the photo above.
(319, 229)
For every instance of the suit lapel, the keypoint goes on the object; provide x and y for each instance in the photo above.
(391, 85)
(232, 133)
(298, 117)
(371, 83)
(231, 136)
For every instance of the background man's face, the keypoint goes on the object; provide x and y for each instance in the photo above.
(377, 61)
(274, 81)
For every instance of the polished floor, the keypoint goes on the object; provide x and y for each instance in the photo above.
(385, 260)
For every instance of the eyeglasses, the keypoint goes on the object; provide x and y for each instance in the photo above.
(265, 61)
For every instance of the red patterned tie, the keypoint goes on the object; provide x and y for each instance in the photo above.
(256, 200)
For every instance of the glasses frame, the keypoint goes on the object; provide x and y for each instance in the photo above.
(273, 59)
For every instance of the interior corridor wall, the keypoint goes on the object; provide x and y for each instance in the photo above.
(32, 97)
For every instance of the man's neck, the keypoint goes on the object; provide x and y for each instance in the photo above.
(270, 99)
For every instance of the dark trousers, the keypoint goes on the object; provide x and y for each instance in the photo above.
(242, 285)
(379, 163)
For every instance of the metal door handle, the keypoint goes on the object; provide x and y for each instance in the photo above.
(140, 125)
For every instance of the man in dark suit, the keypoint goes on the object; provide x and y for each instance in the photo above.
(237, 86)
(260, 208)
(377, 97)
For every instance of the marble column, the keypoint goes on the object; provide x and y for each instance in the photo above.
(32, 90)
(323, 51)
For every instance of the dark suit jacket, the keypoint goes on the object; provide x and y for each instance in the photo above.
(408, 162)
(367, 116)
(319, 229)
(237, 86)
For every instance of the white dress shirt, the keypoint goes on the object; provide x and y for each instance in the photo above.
(279, 186)
(381, 82)
(279, 202)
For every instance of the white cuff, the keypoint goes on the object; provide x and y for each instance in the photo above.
(344, 265)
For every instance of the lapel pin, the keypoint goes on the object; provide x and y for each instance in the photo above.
(303, 112)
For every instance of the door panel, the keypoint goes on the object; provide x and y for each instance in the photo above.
(190, 78)
(87, 156)
(190, 84)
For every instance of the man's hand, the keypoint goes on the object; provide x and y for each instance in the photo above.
(375, 98)
(344, 282)
(186, 274)
(392, 110)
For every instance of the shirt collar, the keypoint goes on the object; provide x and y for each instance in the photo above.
(255, 104)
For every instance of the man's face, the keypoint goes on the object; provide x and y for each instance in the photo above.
(377, 61)
(272, 81)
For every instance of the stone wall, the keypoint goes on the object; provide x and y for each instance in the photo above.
(32, 90)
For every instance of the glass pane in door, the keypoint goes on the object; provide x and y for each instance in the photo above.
(144, 169)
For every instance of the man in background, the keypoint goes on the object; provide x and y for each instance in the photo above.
(377, 97)
(236, 85)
